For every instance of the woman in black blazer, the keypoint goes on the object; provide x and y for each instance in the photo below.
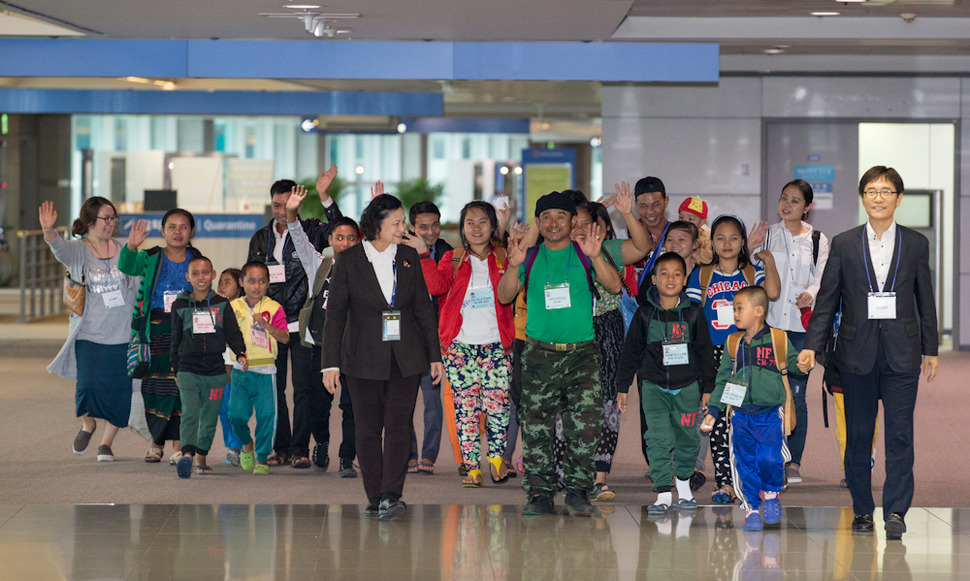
(382, 333)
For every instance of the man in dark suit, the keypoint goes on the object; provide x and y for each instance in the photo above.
(880, 274)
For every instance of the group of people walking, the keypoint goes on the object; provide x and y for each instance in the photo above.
(543, 327)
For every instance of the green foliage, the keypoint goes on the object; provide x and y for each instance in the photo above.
(419, 190)
(312, 208)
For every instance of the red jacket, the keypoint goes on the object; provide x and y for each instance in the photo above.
(443, 280)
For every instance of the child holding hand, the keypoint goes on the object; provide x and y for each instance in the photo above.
(229, 288)
(751, 388)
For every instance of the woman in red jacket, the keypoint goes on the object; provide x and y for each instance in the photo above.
(476, 334)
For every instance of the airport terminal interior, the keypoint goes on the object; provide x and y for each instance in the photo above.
(204, 105)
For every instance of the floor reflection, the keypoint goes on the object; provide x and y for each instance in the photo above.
(147, 542)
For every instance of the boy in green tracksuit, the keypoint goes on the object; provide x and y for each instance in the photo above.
(202, 324)
(751, 381)
(669, 347)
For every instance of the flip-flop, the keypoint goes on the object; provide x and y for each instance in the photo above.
(477, 479)
(657, 509)
(602, 492)
(202, 470)
(426, 466)
(184, 466)
(684, 504)
(412, 466)
(723, 496)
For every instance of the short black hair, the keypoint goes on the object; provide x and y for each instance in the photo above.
(669, 257)
(254, 264)
(197, 258)
(424, 207)
(756, 295)
(375, 212)
(344, 221)
(281, 187)
(880, 171)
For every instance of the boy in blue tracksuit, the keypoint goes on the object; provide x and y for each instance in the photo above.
(754, 387)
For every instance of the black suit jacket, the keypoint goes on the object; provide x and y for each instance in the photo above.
(352, 334)
(906, 338)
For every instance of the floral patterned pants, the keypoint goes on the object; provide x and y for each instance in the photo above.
(479, 377)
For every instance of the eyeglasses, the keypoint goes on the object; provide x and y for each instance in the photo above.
(108, 219)
(873, 194)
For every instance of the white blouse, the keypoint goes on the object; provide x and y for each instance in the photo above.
(383, 263)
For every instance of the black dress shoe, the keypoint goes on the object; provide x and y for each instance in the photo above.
(895, 526)
(862, 523)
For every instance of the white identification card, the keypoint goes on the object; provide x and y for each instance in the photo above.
(260, 337)
(676, 354)
(734, 394)
(480, 298)
(725, 314)
(882, 305)
(557, 296)
(277, 273)
(391, 325)
(203, 322)
(170, 297)
(113, 299)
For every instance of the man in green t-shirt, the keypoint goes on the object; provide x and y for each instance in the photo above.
(560, 361)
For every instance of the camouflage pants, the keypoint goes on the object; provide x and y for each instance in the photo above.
(566, 383)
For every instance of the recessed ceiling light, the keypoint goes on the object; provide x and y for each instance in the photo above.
(782, 46)
(302, 6)
(825, 14)
(773, 51)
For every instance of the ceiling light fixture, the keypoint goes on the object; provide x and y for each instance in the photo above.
(773, 51)
(302, 6)
(823, 14)
(908, 17)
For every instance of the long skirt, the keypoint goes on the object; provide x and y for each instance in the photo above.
(163, 408)
(103, 386)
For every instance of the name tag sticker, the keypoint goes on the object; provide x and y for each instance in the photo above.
(203, 322)
(676, 354)
(480, 298)
(170, 297)
(391, 325)
(882, 305)
(277, 273)
(734, 394)
(557, 296)
(725, 314)
(260, 337)
(114, 299)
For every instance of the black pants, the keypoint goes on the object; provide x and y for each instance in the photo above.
(862, 393)
(383, 407)
(348, 448)
(311, 401)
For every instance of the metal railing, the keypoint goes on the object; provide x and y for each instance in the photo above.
(41, 276)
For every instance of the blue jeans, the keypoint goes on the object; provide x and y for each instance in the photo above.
(796, 441)
(432, 421)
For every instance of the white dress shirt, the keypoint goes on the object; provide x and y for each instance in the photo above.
(881, 253)
(383, 263)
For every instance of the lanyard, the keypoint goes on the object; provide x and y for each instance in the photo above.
(252, 309)
(865, 262)
(569, 261)
(663, 330)
(394, 287)
(741, 357)
(653, 255)
(208, 308)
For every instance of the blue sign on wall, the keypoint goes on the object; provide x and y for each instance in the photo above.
(206, 225)
(814, 173)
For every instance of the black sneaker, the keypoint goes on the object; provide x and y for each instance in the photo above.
(82, 440)
(372, 510)
(391, 509)
(539, 504)
(578, 503)
(347, 468)
(321, 456)
(105, 454)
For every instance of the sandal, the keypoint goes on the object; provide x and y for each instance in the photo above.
(684, 504)
(154, 455)
(412, 466)
(473, 480)
(174, 458)
(724, 495)
(202, 470)
(508, 466)
(426, 466)
(300, 462)
(657, 509)
(496, 468)
(277, 459)
(602, 492)
(844, 483)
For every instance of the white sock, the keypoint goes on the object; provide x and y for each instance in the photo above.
(770, 495)
(664, 498)
(683, 489)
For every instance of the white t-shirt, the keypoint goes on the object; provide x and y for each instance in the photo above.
(479, 325)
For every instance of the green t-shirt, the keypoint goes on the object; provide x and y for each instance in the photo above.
(562, 325)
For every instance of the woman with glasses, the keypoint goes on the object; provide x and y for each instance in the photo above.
(95, 351)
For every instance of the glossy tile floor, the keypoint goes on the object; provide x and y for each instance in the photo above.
(307, 542)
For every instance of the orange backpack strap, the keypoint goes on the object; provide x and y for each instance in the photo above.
(707, 273)
(779, 344)
(732, 344)
(501, 257)
(749, 274)
(456, 257)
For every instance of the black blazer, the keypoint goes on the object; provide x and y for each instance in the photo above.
(906, 338)
(352, 333)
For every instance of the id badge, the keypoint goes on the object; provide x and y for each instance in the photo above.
(725, 314)
(203, 322)
(480, 298)
(260, 337)
(882, 305)
(114, 299)
(734, 393)
(391, 325)
(557, 296)
(676, 354)
(170, 297)
(277, 273)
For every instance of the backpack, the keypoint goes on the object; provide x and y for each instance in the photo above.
(530, 258)
(458, 255)
(314, 311)
(707, 273)
(779, 344)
